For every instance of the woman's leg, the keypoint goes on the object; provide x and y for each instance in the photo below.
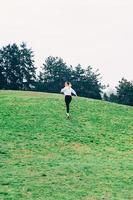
(67, 100)
(67, 104)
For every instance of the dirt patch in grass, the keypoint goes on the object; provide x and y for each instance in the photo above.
(80, 148)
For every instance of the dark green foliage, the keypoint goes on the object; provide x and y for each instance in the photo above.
(17, 69)
(2, 79)
(55, 72)
(105, 97)
(113, 98)
(125, 92)
(17, 72)
(87, 82)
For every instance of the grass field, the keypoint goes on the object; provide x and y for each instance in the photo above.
(44, 156)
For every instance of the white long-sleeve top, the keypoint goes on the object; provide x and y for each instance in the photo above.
(68, 91)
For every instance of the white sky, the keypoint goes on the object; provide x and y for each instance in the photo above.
(90, 32)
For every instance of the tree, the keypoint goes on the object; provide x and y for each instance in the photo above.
(125, 92)
(86, 82)
(77, 78)
(16, 67)
(93, 83)
(113, 98)
(54, 73)
(105, 97)
(27, 66)
(2, 79)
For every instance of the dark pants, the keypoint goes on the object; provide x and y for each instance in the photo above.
(68, 99)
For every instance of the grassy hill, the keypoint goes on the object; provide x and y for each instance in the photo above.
(44, 156)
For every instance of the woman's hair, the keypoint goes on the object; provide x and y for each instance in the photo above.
(68, 83)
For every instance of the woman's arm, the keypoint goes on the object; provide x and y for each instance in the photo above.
(73, 92)
(62, 90)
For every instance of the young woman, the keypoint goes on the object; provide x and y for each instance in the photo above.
(68, 91)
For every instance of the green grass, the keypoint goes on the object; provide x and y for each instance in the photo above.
(44, 156)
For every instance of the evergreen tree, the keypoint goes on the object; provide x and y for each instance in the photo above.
(54, 73)
(125, 92)
(86, 82)
(16, 67)
(2, 79)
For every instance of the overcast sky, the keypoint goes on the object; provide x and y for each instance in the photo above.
(90, 32)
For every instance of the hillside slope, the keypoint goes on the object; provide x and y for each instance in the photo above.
(47, 157)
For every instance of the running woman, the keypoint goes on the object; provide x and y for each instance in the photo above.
(68, 91)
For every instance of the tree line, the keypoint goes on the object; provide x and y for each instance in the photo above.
(18, 72)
